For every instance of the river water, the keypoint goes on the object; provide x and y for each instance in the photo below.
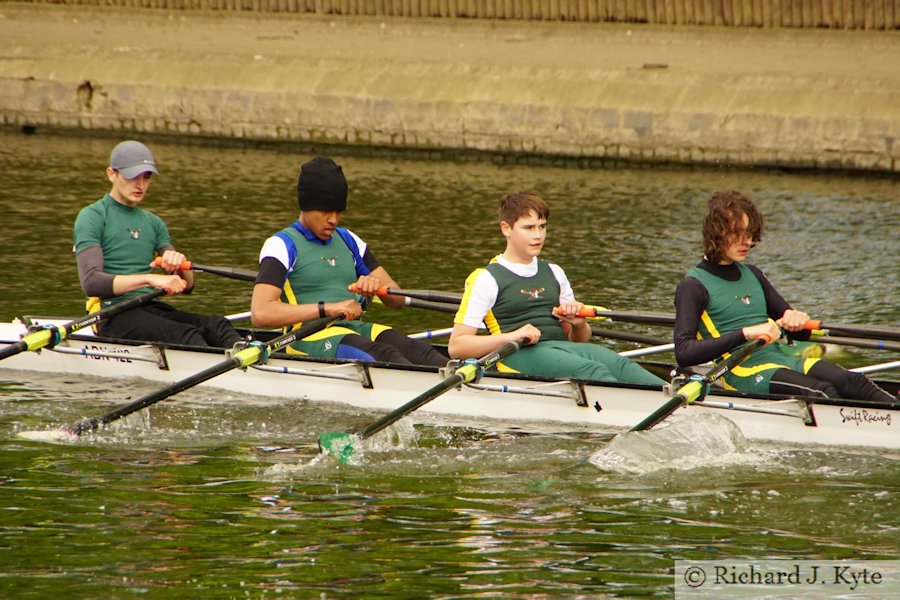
(215, 496)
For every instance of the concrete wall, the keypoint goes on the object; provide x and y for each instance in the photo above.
(839, 14)
(824, 100)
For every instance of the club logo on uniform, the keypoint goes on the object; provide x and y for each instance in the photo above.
(533, 294)
(135, 233)
(332, 261)
(745, 299)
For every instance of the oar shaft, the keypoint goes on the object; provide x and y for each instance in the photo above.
(627, 336)
(685, 395)
(43, 337)
(392, 417)
(864, 331)
(467, 372)
(156, 396)
(431, 305)
(430, 295)
(692, 390)
(244, 358)
(230, 272)
(874, 344)
(629, 316)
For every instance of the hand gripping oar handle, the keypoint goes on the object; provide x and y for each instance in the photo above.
(430, 295)
(230, 272)
(694, 389)
(863, 331)
(51, 335)
(252, 354)
(341, 444)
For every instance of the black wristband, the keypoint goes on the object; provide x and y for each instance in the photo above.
(321, 308)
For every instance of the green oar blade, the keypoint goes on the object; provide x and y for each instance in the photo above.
(339, 444)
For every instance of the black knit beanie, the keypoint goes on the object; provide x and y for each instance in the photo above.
(321, 186)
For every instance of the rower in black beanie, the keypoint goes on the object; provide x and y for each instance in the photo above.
(305, 271)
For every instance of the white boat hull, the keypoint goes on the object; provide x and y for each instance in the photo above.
(532, 404)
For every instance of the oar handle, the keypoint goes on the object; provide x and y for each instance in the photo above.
(185, 266)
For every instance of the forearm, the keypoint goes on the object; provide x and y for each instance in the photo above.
(691, 351)
(122, 284)
(268, 310)
(471, 345)
(275, 313)
(581, 332)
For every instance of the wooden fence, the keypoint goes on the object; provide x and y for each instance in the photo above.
(837, 14)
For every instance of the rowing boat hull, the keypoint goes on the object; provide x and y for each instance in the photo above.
(529, 403)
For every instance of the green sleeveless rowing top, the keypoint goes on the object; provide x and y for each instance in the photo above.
(732, 304)
(737, 304)
(320, 273)
(522, 300)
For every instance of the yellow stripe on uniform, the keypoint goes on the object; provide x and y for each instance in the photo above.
(289, 292)
(809, 362)
(502, 368)
(710, 326)
(750, 371)
(464, 303)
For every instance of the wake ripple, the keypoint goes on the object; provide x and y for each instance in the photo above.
(682, 443)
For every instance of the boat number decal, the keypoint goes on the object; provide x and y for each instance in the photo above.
(111, 351)
(861, 415)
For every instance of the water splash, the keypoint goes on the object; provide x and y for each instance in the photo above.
(682, 444)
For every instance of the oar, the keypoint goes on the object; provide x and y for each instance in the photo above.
(429, 295)
(342, 444)
(250, 355)
(51, 335)
(430, 305)
(693, 389)
(627, 336)
(628, 316)
(230, 272)
(863, 331)
(658, 318)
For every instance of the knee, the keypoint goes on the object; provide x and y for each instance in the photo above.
(826, 388)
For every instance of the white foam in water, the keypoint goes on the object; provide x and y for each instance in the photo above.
(682, 443)
(49, 436)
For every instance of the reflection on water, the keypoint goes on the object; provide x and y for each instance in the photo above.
(214, 496)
